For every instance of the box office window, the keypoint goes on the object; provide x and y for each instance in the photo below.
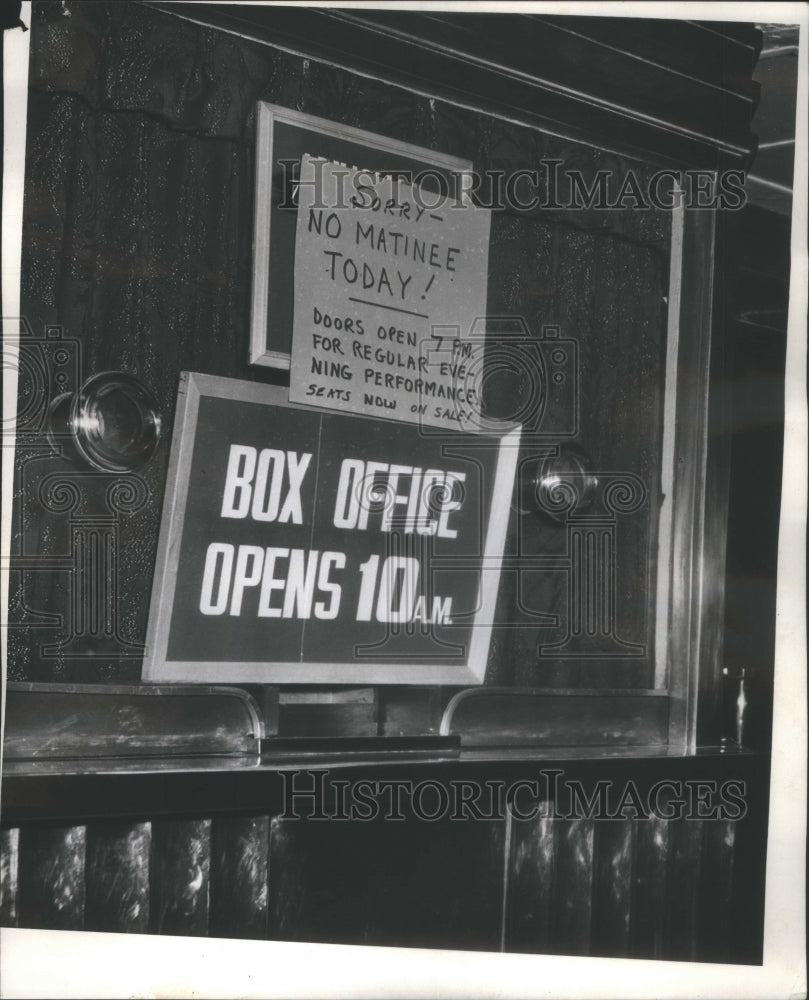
(598, 341)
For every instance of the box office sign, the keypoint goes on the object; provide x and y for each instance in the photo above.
(304, 546)
(390, 282)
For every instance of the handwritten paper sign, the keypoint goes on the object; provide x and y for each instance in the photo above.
(304, 546)
(390, 295)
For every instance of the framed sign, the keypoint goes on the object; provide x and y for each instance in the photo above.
(283, 138)
(390, 299)
(301, 546)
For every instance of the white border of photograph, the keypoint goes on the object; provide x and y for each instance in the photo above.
(73, 964)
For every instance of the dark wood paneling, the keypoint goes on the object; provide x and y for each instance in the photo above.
(582, 86)
(716, 891)
(571, 933)
(626, 887)
(554, 55)
(531, 909)
(552, 887)
(612, 889)
(164, 790)
(683, 889)
(51, 877)
(760, 242)
(387, 883)
(680, 888)
(9, 876)
(655, 888)
(666, 886)
(647, 909)
(690, 48)
(589, 284)
(240, 855)
(117, 877)
(179, 877)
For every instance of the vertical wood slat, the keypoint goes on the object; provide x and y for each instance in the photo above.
(682, 895)
(530, 903)
(571, 934)
(51, 877)
(716, 892)
(612, 889)
(179, 877)
(651, 888)
(648, 896)
(9, 876)
(117, 876)
(240, 853)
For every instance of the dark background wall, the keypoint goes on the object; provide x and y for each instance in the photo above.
(137, 243)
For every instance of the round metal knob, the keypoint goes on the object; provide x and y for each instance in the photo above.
(556, 485)
(113, 423)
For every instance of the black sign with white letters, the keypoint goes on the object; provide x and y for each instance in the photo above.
(304, 546)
